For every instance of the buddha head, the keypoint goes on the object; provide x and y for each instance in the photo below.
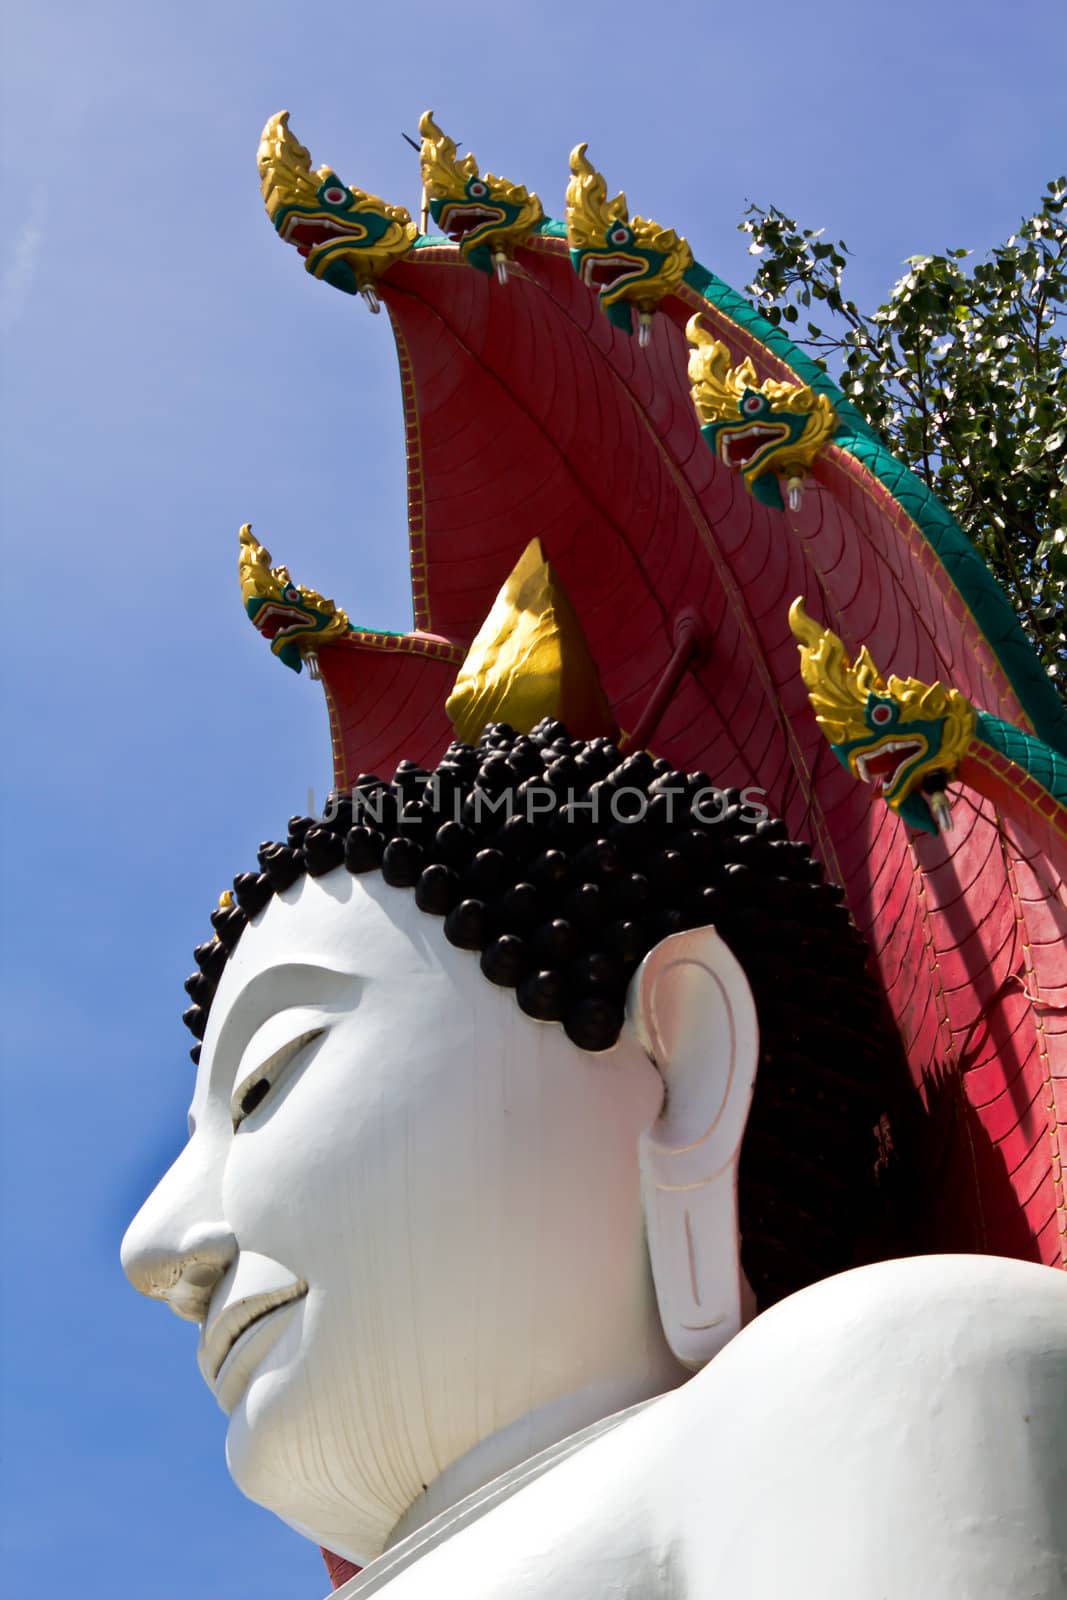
(478, 1054)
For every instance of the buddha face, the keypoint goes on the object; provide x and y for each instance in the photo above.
(407, 1215)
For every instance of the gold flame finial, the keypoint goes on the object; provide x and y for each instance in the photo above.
(530, 660)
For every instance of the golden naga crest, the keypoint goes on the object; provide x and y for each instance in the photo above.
(766, 431)
(487, 217)
(627, 261)
(895, 733)
(294, 619)
(347, 236)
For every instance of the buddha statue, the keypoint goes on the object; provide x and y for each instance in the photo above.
(534, 1212)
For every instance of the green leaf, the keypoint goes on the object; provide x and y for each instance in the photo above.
(963, 370)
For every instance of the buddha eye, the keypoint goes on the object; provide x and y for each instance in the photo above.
(258, 1085)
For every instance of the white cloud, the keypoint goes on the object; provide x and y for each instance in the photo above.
(16, 283)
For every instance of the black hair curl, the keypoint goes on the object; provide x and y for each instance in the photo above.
(523, 847)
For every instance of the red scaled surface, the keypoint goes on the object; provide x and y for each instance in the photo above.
(339, 1569)
(528, 414)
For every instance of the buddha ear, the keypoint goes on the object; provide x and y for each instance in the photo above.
(690, 1006)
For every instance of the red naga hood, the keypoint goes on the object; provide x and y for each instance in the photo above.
(528, 414)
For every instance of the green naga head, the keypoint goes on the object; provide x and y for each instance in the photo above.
(765, 431)
(894, 733)
(627, 262)
(486, 217)
(346, 236)
(295, 620)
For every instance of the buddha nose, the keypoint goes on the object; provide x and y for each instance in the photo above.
(177, 1248)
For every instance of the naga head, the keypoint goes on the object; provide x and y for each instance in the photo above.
(765, 431)
(893, 733)
(346, 236)
(295, 620)
(626, 261)
(485, 216)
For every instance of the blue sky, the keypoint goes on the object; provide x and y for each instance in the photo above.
(170, 373)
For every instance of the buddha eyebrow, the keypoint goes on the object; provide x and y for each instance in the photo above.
(284, 987)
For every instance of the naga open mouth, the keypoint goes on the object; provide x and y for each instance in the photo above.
(883, 765)
(274, 622)
(737, 449)
(607, 272)
(459, 221)
(307, 233)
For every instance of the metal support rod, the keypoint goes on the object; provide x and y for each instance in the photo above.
(689, 642)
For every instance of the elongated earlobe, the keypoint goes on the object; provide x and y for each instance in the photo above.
(690, 1005)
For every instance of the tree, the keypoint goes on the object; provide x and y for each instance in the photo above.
(963, 374)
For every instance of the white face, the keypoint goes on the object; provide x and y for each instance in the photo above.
(427, 1227)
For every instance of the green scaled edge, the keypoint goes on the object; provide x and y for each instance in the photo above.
(741, 311)
(1044, 764)
(979, 590)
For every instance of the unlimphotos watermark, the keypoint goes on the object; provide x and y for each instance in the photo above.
(601, 805)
